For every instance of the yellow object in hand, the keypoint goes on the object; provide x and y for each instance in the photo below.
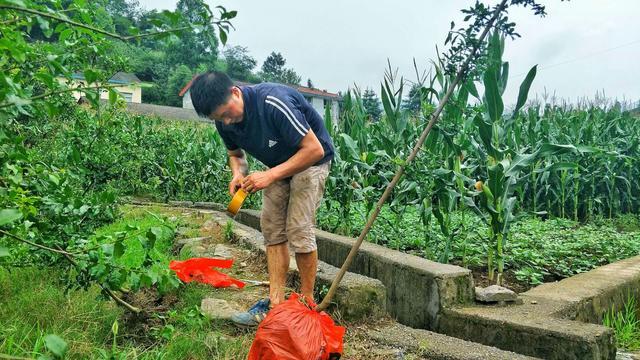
(236, 201)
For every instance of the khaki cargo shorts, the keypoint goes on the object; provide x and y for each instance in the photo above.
(289, 209)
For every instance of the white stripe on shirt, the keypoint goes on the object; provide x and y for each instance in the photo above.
(302, 132)
(273, 98)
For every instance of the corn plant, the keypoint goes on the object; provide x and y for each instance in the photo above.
(502, 163)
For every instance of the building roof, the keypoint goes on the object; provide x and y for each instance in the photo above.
(119, 78)
(125, 78)
(186, 87)
(303, 89)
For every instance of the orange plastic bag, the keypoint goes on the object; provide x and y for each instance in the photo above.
(200, 270)
(293, 331)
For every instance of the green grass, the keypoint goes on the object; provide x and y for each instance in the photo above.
(34, 304)
(626, 324)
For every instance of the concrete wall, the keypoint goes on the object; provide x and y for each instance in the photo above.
(335, 112)
(186, 100)
(134, 92)
(318, 104)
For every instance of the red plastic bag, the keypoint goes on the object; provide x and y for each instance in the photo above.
(200, 270)
(293, 331)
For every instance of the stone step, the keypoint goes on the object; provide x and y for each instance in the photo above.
(434, 346)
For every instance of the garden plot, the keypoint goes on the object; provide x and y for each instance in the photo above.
(556, 320)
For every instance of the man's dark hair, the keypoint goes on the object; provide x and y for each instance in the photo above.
(210, 90)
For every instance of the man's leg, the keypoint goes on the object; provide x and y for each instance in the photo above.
(306, 192)
(308, 267)
(273, 221)
(275, 201)
(278, 265)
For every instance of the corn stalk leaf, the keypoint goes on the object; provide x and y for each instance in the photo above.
(493, 100)
(524, 89)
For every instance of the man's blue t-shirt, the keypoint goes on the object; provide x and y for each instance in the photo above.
(276, 118)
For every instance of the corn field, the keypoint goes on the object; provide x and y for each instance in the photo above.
(553, 161)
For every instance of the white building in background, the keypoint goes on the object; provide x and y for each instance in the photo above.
(129, 89)
(319, 99)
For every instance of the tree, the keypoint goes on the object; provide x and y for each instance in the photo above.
(179, 77)
(124, 14)
(239, 63)
(273, 64)
(273, 70)
(195, 46)
(55, 209)
(290, 77)
(412, 103)
(372, 105)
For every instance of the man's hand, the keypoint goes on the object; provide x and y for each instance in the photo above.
(257, 181)
(235, 184)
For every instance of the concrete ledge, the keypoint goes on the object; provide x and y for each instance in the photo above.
(526, 331)
(589, 295)
(358, 297)
(430, 345)
(558, 320)
(417, 289)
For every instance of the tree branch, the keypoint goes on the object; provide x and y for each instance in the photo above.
(34, 244)
(84, 26)
(65, 91)
(69, 257)
(105, 289)
(51, 16)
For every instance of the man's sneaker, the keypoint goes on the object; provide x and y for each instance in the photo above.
(254, 316)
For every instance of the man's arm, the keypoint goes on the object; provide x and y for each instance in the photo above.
(239, 169)
(309, 153)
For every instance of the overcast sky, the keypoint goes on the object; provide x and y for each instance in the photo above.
(581, 47)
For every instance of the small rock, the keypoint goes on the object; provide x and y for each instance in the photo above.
(222, 251)
(218, 308)
(627, 355)
(243, 264)
(208, 225)
(534, 302)
(182, 230)
(191, 241)
(495, 293)
(519, 301)
(214, 339)
(198, 250)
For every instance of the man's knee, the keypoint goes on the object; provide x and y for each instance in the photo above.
(302, 239)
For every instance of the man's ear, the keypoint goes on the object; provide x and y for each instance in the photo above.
(235, 91)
